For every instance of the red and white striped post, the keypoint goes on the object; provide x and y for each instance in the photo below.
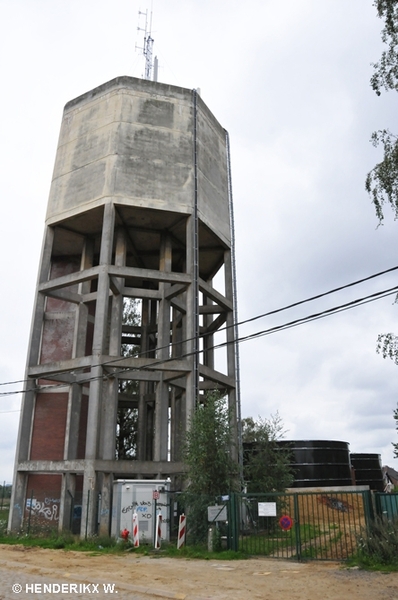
(181, 531)
(136, 531)
(158, 535)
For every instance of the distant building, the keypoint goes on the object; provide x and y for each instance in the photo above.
(390, 476)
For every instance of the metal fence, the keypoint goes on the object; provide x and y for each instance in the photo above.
(309, 525)
(322, 525)
(386, 505)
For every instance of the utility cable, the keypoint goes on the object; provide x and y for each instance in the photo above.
(269, 313)
(269, 331)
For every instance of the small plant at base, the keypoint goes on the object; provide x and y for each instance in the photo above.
(378, 546)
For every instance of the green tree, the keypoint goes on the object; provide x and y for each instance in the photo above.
(127, 416)
(266, 464)
(382, 180)
(396, 426)
(211, 470)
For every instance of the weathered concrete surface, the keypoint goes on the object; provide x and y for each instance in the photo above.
(131, 141)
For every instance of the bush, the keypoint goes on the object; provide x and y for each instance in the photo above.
(211, 470)
(379, 544)
(3, 527)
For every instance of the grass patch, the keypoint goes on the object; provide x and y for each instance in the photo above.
(200, 552)
(274, 542)
(108, 545)
(64, 542)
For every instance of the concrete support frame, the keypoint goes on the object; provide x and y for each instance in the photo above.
(138, 208)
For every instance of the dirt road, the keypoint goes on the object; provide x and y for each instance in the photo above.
(137, 577)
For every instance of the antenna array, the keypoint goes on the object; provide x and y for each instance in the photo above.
(147, 48)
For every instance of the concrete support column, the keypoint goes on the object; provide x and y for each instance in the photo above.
(100, 328)
(163, 353)
(111, 387)
(104, 516)
(72, 422)
(110, 404)
(68, 488)
(190, 395)
(80, 332)
(208, 340)
(96, 384)
(231, 362)
(18, 501)
(89, 500)
(28, 401)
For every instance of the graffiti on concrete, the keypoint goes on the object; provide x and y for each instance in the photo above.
(48, 509)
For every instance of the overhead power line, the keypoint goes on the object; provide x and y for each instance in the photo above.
(269, 313)
(333, 291)
(288, 325)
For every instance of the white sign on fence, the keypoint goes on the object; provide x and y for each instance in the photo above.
(267, 509)
(217, 513)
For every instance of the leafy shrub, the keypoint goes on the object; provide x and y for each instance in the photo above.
(212, 472)
(379, 544)
(3, 527)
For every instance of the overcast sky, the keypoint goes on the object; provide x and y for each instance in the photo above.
(290, 82)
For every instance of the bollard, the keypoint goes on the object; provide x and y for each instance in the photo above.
(136, 533)
(210, 540)
(181, 531)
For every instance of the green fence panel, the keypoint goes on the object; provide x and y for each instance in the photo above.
(387, 505)
(307, 525)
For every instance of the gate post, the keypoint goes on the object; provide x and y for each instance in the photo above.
(233, 523)
(297, 526)
(368, 507)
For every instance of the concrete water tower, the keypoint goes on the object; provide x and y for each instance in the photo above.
(139, 207)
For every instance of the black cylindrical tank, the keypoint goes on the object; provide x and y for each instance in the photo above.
(368, 470)
(319, 463)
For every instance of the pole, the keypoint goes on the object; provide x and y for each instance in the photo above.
(88, 505)
(154, 520)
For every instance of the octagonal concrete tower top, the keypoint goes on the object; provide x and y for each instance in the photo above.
(131, 142)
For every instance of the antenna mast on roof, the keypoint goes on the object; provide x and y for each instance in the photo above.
(147, 48)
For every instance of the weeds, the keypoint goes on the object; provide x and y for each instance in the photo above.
(106, 545)
(378, 546)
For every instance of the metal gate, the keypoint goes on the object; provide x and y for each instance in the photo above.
(305, 525)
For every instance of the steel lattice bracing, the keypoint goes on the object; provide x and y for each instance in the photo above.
(138, 208)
